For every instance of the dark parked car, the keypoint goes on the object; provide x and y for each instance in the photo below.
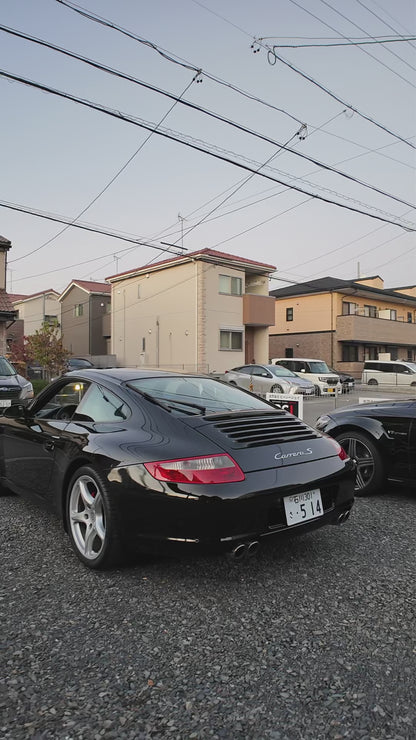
(78, 363)
(380, 437)
(148, 460)
(347, 381)
(14, 388)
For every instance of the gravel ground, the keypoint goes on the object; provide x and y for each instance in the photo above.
(314, 638)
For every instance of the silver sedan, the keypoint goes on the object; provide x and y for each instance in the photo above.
(268, 379)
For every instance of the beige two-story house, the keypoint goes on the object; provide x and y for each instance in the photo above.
(37, 309)
(344, 322)
(205, 311)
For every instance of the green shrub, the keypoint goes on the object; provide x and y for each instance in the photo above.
(38, 385)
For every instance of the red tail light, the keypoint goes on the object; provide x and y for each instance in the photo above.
(210, 469)
(340, 450)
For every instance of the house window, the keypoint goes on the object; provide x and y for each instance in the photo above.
(138, 291)
(143, 344)
(231, 340)
(409, 317)
(348, 308)
(370, 311)
(50, 319)
(349, 353)
(289, 314)
(230, 285)
(79, 309)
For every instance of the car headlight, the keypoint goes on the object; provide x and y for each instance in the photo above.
(322, 379)
(322, 421)
(27, 391)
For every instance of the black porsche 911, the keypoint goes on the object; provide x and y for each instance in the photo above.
(149, 460)
(380, 437)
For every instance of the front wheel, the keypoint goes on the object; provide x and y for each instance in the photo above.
(91, 517)
(370, 475)
(372, 381)
(276, 388)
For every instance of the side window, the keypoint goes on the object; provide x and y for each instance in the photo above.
(63, 403)
(231, 340)
(230, 285)
(100, 404)
(289, 314)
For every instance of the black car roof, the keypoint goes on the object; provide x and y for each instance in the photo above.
(123, 373)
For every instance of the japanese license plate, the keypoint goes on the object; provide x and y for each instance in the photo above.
(4, 402)
(303, 506)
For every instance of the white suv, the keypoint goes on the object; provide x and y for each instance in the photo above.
(389, 372)
(326, 382)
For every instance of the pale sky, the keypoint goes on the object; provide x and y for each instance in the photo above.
(64, 159)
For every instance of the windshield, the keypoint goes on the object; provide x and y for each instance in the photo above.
(197, 394)
(279, 370)
(6, 369)
(319, 367)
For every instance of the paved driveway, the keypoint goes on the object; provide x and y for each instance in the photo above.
(313, 639)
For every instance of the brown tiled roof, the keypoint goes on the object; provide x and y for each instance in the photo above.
(92, 287)
(200, 253)
(5, 242)
(6, 306)
(17, 296)
(21, 297)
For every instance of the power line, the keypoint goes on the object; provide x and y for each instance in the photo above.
(176, 60)
(390, 51)
(198, 108)
(273, 56)
(130, 119)
(192, 145)
(85, 227)
(342, 43)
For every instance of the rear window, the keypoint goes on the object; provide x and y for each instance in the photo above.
(197, 394)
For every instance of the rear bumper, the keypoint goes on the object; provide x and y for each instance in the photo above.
(172, 520)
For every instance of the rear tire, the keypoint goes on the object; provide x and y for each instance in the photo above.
(370, 475)
(92, 520)
(372, 381)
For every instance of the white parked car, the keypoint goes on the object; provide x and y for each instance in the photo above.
(389, 372)
(268, 379)
(317, 371)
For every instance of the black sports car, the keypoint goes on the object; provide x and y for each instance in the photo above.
(143, 460)
(380, 437)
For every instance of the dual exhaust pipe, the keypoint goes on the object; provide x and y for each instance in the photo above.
(343, 517)
(249, 549)
(244, 550)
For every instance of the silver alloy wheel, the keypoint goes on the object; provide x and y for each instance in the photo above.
(87, 517)
(357, 450)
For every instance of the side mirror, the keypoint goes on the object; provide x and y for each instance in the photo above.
(16, 411)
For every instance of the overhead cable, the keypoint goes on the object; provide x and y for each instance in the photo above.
(205, 111)
(193, 145)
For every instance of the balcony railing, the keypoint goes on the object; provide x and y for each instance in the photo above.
(358, 328)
